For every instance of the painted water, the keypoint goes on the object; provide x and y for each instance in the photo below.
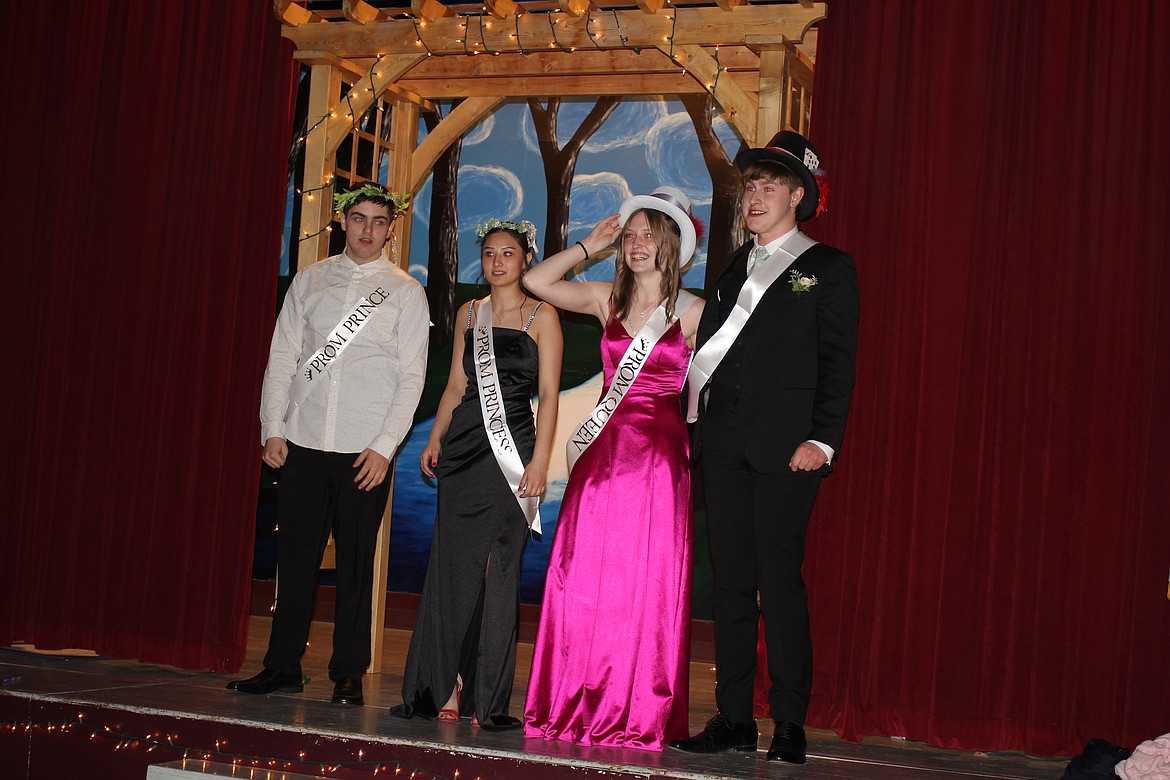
(413, 523)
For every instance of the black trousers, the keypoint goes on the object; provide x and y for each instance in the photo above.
(317, 496)
(757, 520)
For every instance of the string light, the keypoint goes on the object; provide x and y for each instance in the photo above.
(519, 45)
(307, 235)
(465, 32)
(327, 185)
(124, 740)
(592, 36)
(555, 43)
(718, 71)
(418, 25)
(621, 36)
(673, 27)
(482, 40)
(594, 32)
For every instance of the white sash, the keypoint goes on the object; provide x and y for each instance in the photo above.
(310, 371)
(495, 420)
(627, 371)
(707, 359)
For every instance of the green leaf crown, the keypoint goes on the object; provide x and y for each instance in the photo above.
(399, 201)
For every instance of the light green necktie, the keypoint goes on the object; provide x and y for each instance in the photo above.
(759, 255)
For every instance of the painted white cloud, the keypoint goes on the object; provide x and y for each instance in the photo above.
(421, 210)
(480, 132)
(484, 191)
(420, 272)
(674, 154)
(488, 191)
(594, 196)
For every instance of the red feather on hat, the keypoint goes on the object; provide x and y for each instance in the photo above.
(823, 191)
(700, 228)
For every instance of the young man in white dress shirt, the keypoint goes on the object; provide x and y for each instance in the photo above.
(345, 372)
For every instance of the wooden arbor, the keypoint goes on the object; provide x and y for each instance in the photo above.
(753, 59)
(745, 56)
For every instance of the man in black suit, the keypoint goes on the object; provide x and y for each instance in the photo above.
(771, 385)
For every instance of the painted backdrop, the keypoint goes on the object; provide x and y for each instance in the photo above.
(643, 144)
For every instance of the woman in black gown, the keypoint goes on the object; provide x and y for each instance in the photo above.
(462, 656)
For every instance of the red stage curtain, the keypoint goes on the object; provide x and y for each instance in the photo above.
(988, 566)
(145, 147)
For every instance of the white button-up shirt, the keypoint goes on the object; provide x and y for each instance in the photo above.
(371, 390)
(772, 245)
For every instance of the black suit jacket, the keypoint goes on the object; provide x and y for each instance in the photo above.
(789, 376)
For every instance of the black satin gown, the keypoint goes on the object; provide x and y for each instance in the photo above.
(470, 601)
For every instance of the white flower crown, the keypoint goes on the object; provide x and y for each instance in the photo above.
(523, 227)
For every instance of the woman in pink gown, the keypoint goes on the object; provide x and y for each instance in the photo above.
(610, 665)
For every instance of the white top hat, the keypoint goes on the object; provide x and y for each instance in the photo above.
(672, 202)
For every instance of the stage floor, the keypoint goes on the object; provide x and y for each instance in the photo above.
(164, 691)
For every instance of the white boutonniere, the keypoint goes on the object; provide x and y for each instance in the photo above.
(801, 284)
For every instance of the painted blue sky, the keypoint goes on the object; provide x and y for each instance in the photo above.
(645, 143)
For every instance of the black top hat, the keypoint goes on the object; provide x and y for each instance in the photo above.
(794, 152)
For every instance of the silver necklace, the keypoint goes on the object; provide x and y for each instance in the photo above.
(499, 317)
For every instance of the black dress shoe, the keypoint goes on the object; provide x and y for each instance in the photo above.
(269, 681)
(788, 743)
(720, 734)
(348, 690)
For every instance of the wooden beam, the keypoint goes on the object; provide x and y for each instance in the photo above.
(739, 107)
(578, 7)
(459, 121)
(430, 10)
(543, 86)
(651, 6)
(503, 9)
(705, 26)
(356, 71)
(728, 5)
(359, 11)
(362, 95)
(583, 62)
(586, 72)
(289, 13)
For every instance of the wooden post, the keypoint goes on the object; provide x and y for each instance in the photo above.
(403, 135)
(317, 203)
(403, 138)
(773, 90)
(378, 597)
